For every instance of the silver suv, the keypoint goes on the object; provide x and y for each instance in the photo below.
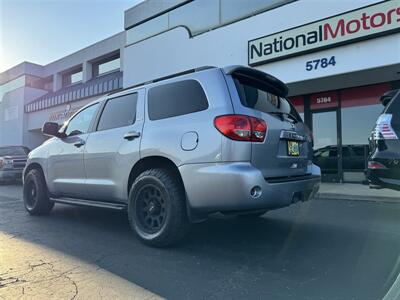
(174, 150)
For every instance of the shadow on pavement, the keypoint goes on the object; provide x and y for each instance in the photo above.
(318, 249)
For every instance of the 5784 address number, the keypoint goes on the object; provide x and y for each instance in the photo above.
(321, 63)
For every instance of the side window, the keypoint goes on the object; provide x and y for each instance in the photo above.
(333, 153)
(119, 112)
(176, 99)
(324, 153)
(346, 152)
(81, 122)
(360, 151)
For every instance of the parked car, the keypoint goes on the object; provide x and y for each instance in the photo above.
(384, 160)
(175, 150)
(12, 162)
(354, 159)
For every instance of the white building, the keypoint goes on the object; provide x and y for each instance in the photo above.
(338, 58)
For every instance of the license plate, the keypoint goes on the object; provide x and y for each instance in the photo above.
(293, 148)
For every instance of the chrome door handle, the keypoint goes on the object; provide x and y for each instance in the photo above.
(131, 135)
(79, 144)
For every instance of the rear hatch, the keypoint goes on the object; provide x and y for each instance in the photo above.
(385, 138)
(287, 149)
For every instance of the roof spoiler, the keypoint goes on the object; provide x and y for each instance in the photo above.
(276, 86)
(389, 95)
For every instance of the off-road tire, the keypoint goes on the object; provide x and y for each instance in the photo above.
(165, 189)
(35, 194)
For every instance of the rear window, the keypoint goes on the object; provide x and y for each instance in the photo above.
(176, 99)
(118, 112)
(257, 96)
(360, 151)
(394, 105)
(11, 151)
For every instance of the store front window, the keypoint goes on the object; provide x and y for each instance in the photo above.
(324, 112)
(360, 110)
(341, 122)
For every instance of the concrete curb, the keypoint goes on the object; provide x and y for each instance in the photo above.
(333, 196)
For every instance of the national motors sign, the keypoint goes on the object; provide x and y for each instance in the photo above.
(364, 23)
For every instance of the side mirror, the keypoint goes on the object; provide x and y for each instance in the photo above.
(51, 129)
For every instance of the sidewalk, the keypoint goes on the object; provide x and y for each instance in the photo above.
(350, 191)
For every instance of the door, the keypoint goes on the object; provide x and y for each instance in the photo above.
(66, 172)
(326, 150)
(112, 148)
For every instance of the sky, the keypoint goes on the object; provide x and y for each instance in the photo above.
(41, 31)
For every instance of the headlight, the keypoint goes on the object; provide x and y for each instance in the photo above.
(4, 162)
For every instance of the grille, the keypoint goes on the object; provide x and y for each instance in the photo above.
(19, 163)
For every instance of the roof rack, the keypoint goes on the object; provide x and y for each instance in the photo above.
(194, 70)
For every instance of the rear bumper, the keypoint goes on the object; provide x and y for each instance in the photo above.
(380, 178)
(227, 187)
(10, 174)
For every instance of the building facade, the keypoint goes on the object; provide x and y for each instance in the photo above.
(31, 94)
(337, 57)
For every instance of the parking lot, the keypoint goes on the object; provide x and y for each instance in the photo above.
(323, 249)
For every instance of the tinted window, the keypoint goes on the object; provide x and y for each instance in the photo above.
(333, 153)
(394, 105)
(80, 123)
(346, 152)
(257, 96)
(359, 151)
(175, 99)
(118, 112)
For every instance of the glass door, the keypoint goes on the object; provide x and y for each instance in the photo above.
(326, 150)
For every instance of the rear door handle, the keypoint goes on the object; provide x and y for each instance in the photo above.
(79, 144)
(131, 135)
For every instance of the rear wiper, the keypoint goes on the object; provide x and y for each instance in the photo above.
(282, 114)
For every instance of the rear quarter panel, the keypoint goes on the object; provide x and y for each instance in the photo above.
(164, 137)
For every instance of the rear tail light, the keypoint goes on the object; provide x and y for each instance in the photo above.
(374, 165)
(383, 129)
(241, 127)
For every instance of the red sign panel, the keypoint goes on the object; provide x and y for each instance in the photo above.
(364, 95)
(298, 103)
(324, 100)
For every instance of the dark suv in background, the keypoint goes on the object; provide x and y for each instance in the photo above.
(12, 162)
(384, 160)
(354, 159)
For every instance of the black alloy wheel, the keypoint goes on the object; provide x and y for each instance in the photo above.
(151, 209)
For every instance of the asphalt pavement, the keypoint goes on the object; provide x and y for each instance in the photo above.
(322, 249)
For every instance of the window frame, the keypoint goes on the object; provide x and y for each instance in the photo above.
(95, 116)
(66, 77)
(96, 65)
(103, 106)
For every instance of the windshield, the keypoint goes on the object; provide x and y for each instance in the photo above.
(257, 96)
(11, 151)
